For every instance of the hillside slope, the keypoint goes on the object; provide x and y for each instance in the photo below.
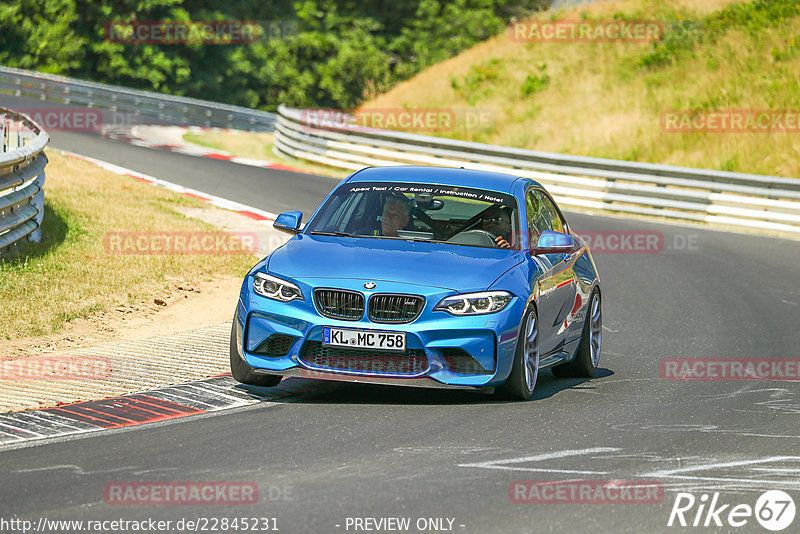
(607, 99)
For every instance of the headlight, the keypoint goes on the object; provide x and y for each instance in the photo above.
(475, 303)
(276, 288)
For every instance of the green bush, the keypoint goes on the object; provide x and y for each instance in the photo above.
(478, 82)
(535, 82)
(342, 52)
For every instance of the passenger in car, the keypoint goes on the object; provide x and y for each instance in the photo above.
(497, 222)
(396, 214)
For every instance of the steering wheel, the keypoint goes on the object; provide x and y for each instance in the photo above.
(480, 238)
(469, 223)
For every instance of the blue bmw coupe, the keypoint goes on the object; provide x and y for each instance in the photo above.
(423, 276)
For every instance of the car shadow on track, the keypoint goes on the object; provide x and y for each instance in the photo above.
(548, 384)
(329, 392)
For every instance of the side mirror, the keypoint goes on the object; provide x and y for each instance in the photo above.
(289, 222)
(551, 242)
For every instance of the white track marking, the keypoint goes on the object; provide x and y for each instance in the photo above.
(703, 467)
(17, 429)
(78, 470)
(750, 482)
(504, 464)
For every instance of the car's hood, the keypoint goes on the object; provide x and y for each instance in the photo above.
(456, 267)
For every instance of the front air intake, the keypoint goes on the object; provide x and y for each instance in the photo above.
(318, 356)
(461, 362)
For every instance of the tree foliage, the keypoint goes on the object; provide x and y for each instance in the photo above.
(342, 51)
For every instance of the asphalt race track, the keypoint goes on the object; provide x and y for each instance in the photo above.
(326, 456)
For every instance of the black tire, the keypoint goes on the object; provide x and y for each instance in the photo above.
(584, 365)
(244, 373)
(519, 385)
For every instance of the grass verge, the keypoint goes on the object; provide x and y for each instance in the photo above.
(70, 274)
(606, 99)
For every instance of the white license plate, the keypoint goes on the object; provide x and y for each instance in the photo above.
(364, 339)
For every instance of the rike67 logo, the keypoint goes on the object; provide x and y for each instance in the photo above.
(774, 510)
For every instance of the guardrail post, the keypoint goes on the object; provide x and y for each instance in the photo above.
(12, 138)
(37, 201)
(26, 136)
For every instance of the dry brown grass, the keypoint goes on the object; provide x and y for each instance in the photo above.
(598, 102)
(72, 275)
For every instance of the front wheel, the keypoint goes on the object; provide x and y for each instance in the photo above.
(525, 370)
(244, 373)
(585, 363)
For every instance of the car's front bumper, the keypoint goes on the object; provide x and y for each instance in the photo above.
(490, 340)
(422, 382)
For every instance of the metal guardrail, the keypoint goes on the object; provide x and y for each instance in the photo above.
(170, 109)
(718, 198)
(22, 162)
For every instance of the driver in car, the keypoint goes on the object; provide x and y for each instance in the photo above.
(396, 214)
(497, 222)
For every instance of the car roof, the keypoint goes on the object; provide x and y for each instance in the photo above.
(493, 181)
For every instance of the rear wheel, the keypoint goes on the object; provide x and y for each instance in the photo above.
(525, 370)
(585, 363)
(244, 373)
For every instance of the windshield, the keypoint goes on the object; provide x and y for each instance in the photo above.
(422, 212)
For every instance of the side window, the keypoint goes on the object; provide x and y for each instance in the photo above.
(537, 213)
(555, 220)
(326, 220)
